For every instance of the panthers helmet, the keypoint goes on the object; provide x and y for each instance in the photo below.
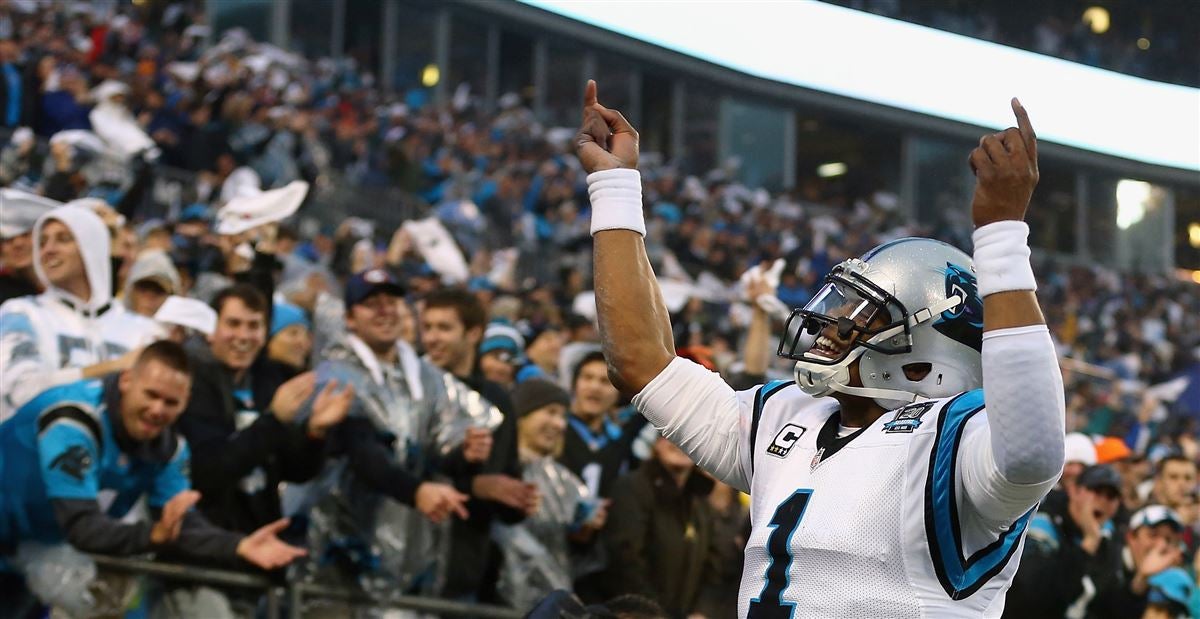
(908, 304)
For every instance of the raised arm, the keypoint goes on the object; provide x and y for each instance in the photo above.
(1023, 388)
(691, 406)
(635, 327)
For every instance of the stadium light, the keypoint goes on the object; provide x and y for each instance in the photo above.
(1132, 197)
(430, 75)
(923, 70)
(832, 169)
(1194, 234)
(1096, 17)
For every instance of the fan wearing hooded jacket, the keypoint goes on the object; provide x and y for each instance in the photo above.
(74, 330)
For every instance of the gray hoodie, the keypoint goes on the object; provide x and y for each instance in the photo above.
(152, 264)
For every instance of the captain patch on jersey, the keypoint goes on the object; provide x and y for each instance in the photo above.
(786, 438)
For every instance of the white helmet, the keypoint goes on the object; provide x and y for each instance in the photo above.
(910, 303)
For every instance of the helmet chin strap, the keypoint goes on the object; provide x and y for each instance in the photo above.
(894, 395)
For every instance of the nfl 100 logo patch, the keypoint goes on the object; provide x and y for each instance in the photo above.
(908, 418)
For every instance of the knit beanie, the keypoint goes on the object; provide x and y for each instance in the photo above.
(536, 393)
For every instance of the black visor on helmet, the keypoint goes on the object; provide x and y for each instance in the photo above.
(850, 303)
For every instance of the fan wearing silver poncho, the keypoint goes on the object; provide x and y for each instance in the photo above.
(375, 509)
(536, 550)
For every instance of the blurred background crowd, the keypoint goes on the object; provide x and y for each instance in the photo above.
(434, 253)
(1129, 37)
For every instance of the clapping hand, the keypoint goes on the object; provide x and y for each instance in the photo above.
(170, 523)
(264, 548)
(329, 409)
(437, 501)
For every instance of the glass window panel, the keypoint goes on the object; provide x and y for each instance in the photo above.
(468, 55)
(364, 30)
(1187, 228)
(414, 43)
(944, 186)
(701, 117)
(613, 75)
(252, 15)
(1051, 214)
(655, 126)
(310, 28)
(755, 135)
(516, 65)
(564, 84)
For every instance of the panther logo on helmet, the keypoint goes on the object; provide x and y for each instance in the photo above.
(963, 322)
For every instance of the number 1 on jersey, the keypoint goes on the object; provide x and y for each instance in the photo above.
(769, 604)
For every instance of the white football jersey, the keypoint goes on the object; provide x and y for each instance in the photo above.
(884, 522)
(46, 339)
(41, 334)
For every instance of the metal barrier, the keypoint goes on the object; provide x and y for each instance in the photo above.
(298, 592)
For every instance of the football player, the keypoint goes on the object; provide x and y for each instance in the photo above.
(895, 475)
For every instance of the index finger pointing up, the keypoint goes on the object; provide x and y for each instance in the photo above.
(1025, 127)
(589, 94)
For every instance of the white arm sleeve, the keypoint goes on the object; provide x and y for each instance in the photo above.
(1011, 465)
(698, 411)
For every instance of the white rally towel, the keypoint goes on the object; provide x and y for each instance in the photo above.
(438, 249)
(19, 210)
(249, 210)
(115, 124)
(187, 312)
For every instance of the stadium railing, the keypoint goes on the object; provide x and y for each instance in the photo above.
(296, 593)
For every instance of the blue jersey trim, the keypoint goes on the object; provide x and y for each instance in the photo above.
(760, 400)
(958, 576)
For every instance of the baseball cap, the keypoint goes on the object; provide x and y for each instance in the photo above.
(1154, 515)
(1111, 449)
(1080, 448)
(367, 283)
(1100, 476)
(1171, 587)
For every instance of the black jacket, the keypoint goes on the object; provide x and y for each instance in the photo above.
(471, 549)
(14, 284)
(660, 538)
(225, 458)
(1053, 566)
(607, 452)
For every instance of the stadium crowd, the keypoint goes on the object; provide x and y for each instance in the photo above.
(424, 408)
(1126, 37)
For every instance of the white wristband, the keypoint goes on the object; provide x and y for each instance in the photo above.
(1002, 257)
(616, 197)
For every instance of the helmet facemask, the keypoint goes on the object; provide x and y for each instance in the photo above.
(851, 316)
